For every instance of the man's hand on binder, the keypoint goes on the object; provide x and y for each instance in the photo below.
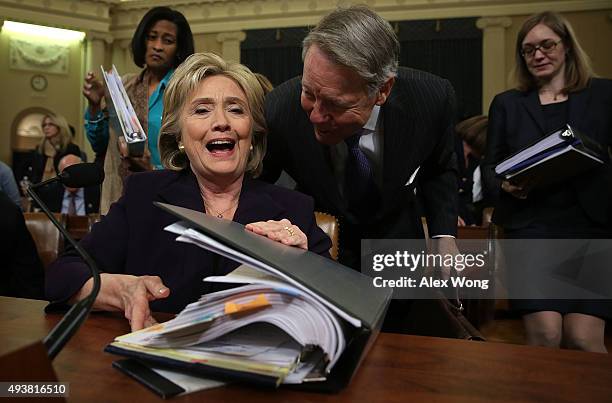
(129, 294)
(281, 231)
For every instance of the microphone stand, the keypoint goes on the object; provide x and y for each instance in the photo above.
(76, 315)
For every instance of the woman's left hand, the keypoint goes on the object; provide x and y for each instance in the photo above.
(281, 231)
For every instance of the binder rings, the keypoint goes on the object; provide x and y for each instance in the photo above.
(557, 157)
(122, 117)
(348, 292)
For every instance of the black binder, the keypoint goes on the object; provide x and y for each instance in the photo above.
(557, 157)
(350, 291)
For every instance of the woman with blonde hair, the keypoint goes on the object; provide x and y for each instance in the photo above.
(556, 87)
(212, 142)
(56, 142)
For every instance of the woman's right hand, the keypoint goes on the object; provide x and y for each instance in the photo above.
(517, 190)
(93, 91)
(129, 294)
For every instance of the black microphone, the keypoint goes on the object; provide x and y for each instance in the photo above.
(82, 175)
(77, 175)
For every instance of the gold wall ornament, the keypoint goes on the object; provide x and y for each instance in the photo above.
(30, 55)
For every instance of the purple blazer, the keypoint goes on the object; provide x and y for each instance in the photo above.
(131, 239)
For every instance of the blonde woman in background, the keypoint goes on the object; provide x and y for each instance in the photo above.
(56, 142)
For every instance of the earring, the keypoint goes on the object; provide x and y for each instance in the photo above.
(251, 147)
(181, 147)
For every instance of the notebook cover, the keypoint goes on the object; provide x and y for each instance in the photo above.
(344, 287)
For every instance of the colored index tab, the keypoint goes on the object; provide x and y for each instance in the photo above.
(259, 302)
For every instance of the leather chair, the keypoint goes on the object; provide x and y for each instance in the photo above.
(46, 237)
(329, 224)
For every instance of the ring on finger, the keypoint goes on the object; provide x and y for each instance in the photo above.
(289, 230)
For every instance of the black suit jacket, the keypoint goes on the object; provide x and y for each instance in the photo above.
(22, 271)
(131, 239)
(418, 133)
(516, 120)
(53, 195)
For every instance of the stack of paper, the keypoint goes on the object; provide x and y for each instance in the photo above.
(293, 317)
(267, 328)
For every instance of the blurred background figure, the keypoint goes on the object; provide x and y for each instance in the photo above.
(57, 141)
(22, 271)
(8, 185)
(161, 42)
(71, 201)
(470, 147)
(556, 86)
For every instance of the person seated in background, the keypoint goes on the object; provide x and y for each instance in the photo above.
(71, 201)
(56, 141)
(469, 147)
(212, 141)
(22, 271)
(8, 184)
(160, 43)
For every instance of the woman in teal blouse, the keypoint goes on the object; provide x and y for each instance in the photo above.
(161, 42)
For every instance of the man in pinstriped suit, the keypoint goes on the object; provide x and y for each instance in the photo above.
(352, 92)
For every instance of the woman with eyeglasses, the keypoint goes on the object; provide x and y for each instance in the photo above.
(556, 87)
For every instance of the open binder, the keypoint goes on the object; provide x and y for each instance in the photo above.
(358, 306)
(122, 117)
(557, 157)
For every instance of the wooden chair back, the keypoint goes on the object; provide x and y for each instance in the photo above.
(329, 224)
(46, 237)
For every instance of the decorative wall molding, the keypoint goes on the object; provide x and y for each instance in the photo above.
(492, 22)
(81, 15)
(119, 18)
(213, 16)
(33, 56)
(230, 44)
(101, 36)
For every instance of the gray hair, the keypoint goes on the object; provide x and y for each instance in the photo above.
(358, 38)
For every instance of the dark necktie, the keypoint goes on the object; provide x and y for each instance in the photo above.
(359, 187)
(72, 203)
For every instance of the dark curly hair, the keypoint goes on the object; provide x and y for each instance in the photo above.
(184, 40)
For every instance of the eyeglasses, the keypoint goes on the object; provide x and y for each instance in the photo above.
(546, 47)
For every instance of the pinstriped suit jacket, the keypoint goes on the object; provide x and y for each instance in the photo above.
(418, 133)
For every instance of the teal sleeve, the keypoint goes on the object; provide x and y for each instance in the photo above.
(96, 129)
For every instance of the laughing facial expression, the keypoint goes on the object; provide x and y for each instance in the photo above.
(334, 97)
(161, 45)
(544, 64)
(216, 128)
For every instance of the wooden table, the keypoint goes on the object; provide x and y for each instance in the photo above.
(399, 368)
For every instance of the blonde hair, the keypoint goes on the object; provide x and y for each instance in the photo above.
(184, 81)
(64, 135)
(578, 71)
